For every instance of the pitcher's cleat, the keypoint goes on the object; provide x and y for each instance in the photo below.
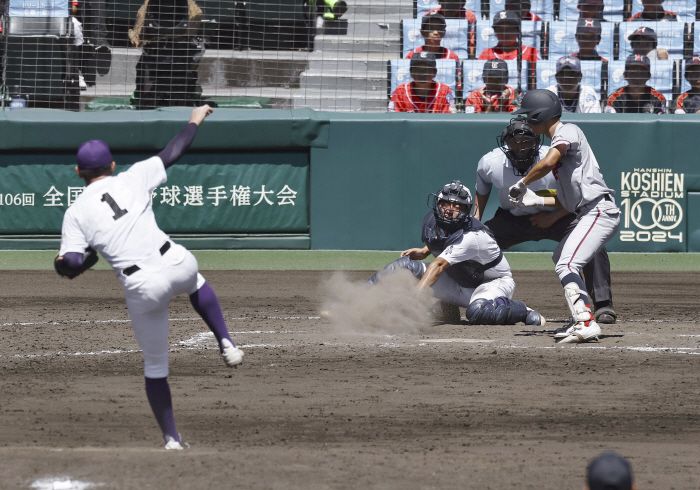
(534, 318)
(233, 356)
(172, 444)
(580, 332)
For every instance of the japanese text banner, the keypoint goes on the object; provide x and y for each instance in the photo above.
(205, 193)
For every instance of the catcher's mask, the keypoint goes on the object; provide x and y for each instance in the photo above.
(457, 193)
(519, 133)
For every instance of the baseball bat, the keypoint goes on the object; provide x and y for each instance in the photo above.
(514, 193)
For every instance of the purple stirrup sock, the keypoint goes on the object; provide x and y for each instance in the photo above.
(207, 305)
(158, 393)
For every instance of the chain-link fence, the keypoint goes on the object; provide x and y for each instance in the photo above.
(359, 56)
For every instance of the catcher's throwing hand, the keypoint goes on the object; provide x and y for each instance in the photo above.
(416, 253)
(200, 113)
(517, 190)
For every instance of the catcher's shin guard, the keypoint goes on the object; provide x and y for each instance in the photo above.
(580, 311)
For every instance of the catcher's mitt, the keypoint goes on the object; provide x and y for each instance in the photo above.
(90, 258)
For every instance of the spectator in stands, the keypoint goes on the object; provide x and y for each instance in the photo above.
(643, 42)
(609, 471)
(637, 97)
(454, 9)
(423, 94)
(654, 11)
(573, 96)
(433, 28)
(522, 8)
(689, 102)
(495, 95)
(588, 36)
(591, 9)
(506, 26)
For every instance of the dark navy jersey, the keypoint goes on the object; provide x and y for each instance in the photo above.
(467, 273)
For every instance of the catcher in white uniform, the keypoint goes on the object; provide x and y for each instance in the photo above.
(581, 190)
(114, 217)
(469, 269)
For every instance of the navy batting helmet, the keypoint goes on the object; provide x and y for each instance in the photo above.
(540, 106)
(457, 193)
(520, 133)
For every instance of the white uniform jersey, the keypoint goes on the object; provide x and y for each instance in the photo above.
(588, 100)
(578, 176)
(479, 247)
(494, 169)
(114, 216)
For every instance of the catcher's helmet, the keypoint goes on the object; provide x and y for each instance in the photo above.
(455, 192)
(540, 106)
(519, 131)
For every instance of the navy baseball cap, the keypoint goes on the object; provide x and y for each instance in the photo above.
(495, 68)
(94, 154)
(506, 17)
(424, 58)
(588, 25)
(637, 60)
(643, 33)
(609, 471)
(432, 19)
(569, 62)
(591, 2)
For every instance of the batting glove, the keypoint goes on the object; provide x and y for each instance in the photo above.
(530, 199)
(517, 190)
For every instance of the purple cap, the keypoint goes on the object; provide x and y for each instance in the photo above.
(94, 154)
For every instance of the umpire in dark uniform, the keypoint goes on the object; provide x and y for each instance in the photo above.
(519, 149)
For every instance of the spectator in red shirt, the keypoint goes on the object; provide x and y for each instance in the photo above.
(689, 102)
(588, 36)
(506, 26)
(522, 8)
(591, 9)
(423, 94)
(654, 11)
(637, 97)
(454, 9)
(433, 28)
(495, 95)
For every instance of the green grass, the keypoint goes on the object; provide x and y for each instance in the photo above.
(357, 260)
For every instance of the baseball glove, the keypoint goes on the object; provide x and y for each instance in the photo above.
(90, 258)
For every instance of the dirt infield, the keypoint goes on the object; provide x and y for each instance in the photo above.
(454, 406)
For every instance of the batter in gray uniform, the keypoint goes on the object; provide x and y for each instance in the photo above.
(519, 149)
(581, 190)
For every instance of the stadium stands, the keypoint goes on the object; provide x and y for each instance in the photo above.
(456, 38)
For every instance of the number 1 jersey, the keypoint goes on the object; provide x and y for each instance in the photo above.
(114, 215)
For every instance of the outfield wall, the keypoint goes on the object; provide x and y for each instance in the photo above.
(302, 179)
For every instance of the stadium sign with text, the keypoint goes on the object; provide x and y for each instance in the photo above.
(652, 201)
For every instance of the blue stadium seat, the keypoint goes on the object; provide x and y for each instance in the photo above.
(456, 38)
(425, 6)
(486, 38)
(685, 86)
(684, 8)
(542, 8)
(670, 37)
(401, 73)
(591, 70)
(568, 10)
(473, 69)
(696, 38)
(661, 77)
(562, 39)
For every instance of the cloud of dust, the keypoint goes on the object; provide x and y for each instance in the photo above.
(388, 307)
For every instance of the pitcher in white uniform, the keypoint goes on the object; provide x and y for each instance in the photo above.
(581, 190)
(114, 216)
